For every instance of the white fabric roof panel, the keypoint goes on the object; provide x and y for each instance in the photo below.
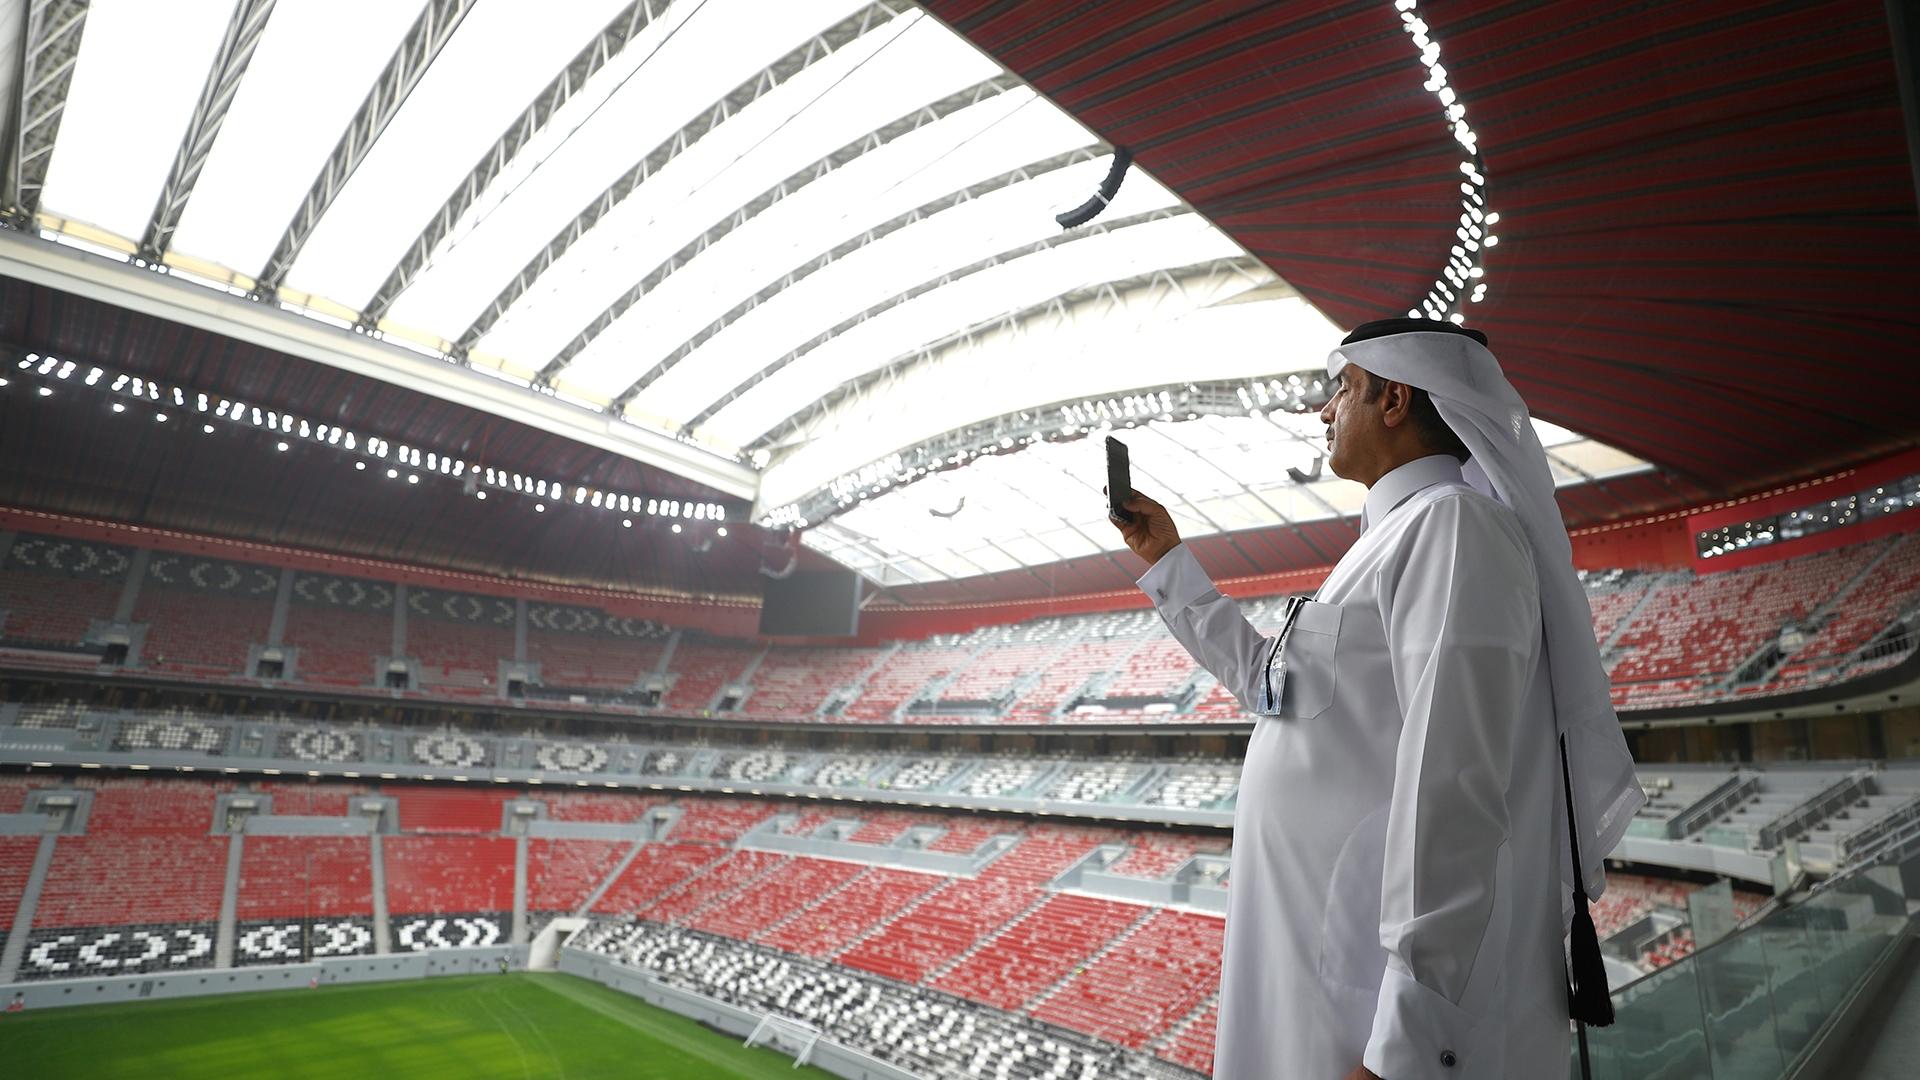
(140, 71)
(498, 59)
(311, 70)
(597, 140)
(950, 240)
(1011, 286)
(974, 144)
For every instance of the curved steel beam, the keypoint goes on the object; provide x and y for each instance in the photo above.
(873, 140)
(952, 448)
(424, 40)
(203, 127)
(774, 75)
(920, 289)
(47, 56)
(1175, 278)
(788, 279)
(606, 45)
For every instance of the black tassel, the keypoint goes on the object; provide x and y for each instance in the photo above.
(1588, 999)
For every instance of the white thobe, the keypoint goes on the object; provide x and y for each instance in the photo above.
(1395, 893)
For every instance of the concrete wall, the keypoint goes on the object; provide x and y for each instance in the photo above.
(356, 969)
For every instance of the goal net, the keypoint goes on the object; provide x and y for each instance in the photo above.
(787, 1036)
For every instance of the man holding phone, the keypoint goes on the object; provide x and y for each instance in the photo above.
(1402, 869)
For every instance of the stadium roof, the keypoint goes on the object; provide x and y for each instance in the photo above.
(802, 256)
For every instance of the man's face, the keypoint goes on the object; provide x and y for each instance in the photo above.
(1354, 425)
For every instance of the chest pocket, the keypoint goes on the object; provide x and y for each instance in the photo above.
(1306, 669)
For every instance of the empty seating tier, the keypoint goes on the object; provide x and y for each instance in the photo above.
(296, 877)
(561, 874)
(437, 875)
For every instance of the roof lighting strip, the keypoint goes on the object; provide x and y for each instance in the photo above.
(411, 461)
(1463, 280)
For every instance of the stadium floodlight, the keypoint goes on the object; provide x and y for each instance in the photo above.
(118, 407)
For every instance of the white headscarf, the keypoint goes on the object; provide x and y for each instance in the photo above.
(1473, 396)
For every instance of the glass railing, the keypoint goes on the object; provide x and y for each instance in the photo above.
(1747, 1006)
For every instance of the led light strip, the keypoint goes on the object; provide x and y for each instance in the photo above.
(1464, 279)
(212, 409)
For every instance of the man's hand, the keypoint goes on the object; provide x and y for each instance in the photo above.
(1361, 1072)
(1151, 533)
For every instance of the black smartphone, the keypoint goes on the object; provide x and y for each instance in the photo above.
(1119, 481)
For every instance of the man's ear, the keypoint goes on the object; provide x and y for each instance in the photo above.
(1396, 403)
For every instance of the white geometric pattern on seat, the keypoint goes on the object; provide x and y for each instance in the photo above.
(759, 765)
(289, 942)
(845, 771)
(341, 939)
(662, 763)
(447, 932)
(317, 743)
(571, 757)
(924, 773)
(116, 952)
(1002, 777)
(171, 735)
(1194, 787)
(449, 749)
(275, 941)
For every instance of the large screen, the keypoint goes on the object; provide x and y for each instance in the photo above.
(817, 604)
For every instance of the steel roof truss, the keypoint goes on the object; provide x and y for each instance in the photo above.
(435, 27)
(203, 128)
(608, 44)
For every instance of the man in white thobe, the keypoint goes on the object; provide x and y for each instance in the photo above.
(1397, 902)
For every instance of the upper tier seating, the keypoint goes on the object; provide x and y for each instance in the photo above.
(903, 675)
(1146, 983)
(763, 904)
(1153, 856)
(339, 625)
(1038, 950)
(297, 799)
(459, 639)
(294, 877)
(1672, 637)
(52, 588)
(200, 632)
(700, 669)
(839, 918)
(147, 857)
(439, 875)
(951, 919)
(425, 809)
(16, 862)
(654, 870)
(583, 659)
(795, 682)
(561, 874)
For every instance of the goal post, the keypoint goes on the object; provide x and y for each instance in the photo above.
(791, 1037)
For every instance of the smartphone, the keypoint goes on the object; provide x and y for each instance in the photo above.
(1119, 481)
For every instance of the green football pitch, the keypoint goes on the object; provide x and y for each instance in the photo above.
(524, 1026)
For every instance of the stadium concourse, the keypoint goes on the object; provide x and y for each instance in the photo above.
(613, 490)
